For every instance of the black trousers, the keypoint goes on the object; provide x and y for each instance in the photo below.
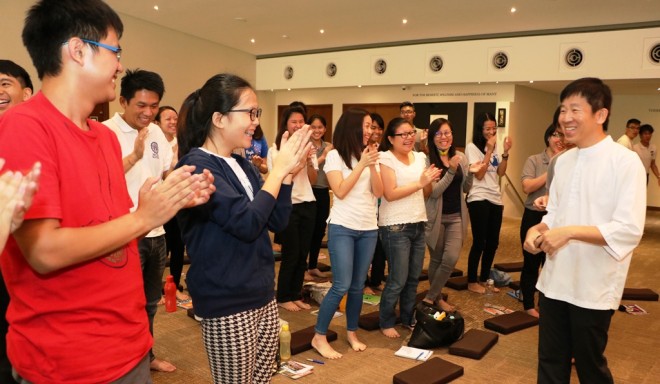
(295, 246)
(377, 274)
(486, 221)
(531, 262)
(567, 331)
(5, 365)
(175, 248)
(322, 196)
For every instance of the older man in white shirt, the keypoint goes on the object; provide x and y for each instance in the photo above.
(595, 219)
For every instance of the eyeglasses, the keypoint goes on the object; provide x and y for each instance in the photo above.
(445, 134)
(406, 135)
(407, 112)
(558, 135)
(255, 113)
(115, 50)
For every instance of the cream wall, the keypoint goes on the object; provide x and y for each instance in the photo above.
(530, 58)
(185, 62)
(647, 110)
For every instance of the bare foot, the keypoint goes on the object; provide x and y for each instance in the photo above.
(320, 344)
(289, 306)
(301, 304)
(161, 366)
(533, 312)
(161, 301)
(390, 332)
(446, 306)
(317, 272)
(368, 291)
(476, 288)
(308, 277)
(182, 296)
(356, 344)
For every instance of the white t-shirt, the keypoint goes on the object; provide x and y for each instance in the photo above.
(487, 188)
(301, 191)
(409, 209)
(647, 154)
(155, 161)
(603, 186)
(357, 210)
(238, 171)
(625, 141)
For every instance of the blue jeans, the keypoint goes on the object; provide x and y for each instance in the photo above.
(153, 253)
(404, 248)
(350, 256)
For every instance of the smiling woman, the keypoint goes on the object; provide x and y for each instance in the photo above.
(232, 267)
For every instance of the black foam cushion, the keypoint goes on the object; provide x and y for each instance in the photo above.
(643, 294)
(474, 344)
(511, 322)
(433, 371)
(456, 272)
(509, 267)
(323, 267)
(458, 283)
(301, 340)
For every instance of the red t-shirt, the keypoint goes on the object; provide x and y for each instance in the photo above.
(86, 323)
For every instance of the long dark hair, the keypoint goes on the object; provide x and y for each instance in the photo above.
(286, 114)
(477, 133)
(390, 131)
(347, 136)
(434, 156)
(220, 93)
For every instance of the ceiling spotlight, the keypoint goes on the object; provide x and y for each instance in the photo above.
(288, 89)
(322, 31)
(531, 81)
(404, 21)
(513, 9)
(359, 86)
(426, 83)
(155, 7)
(252, 41)
(285, 36)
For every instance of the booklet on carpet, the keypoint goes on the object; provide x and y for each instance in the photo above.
(414, 353)
(371, 299)
(295, 370)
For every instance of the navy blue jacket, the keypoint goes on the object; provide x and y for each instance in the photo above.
(232, 267)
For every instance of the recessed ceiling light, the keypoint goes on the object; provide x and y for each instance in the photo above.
(359, 86)
(322, 30)
(404, 21)
(288, 89)
(285, 36)
(531, 81)
(426, 83)
(155, 7)
(513, 9)
(240, 19)
(252, 41)
(658, 89)
(497, 82)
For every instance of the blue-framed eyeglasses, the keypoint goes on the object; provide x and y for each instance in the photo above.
(115, 50)
(255, 113)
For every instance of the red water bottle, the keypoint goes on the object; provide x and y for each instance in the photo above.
(170, 294)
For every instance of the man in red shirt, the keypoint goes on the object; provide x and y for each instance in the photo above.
(72, 270)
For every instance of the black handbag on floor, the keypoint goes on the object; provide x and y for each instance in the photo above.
(430, 333)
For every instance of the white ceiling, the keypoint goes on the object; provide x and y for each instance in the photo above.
(365, 23)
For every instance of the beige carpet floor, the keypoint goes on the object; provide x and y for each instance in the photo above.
(632, 351)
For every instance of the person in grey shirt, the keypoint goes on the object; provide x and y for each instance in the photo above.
(533, 177)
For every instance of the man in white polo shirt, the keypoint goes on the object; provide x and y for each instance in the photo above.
(146, 154)
(647, 151)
